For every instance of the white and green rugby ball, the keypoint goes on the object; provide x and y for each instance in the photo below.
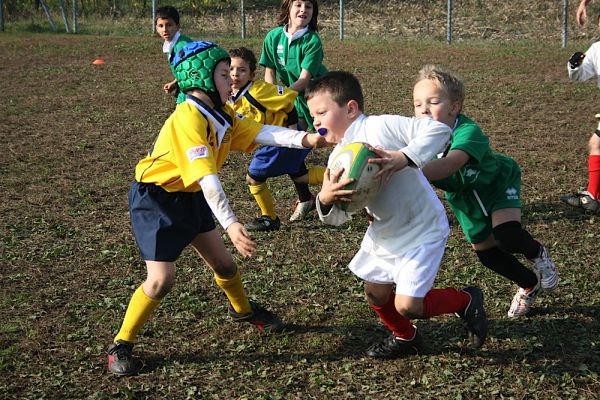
(354, 159)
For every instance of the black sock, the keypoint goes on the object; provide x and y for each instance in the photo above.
(512, 238)
(303, 190)
(508, 266)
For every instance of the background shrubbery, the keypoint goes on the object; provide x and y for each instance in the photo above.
(410, 19)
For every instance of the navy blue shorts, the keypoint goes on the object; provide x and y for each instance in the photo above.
(271, 161)
(165, 223)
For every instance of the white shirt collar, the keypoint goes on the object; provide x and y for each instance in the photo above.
(220, 125)
(293, 36)
(168, 45)
(355, 126)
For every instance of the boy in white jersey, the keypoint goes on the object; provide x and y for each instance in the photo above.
(404, 244)
(582, 67)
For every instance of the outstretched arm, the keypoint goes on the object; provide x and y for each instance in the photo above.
(271, 135)
(219, 205)
(389, 161)
(302, 81)
(446, 166)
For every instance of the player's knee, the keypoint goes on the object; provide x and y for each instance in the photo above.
(225, 268)
(376, 298)
(253, 180)
(508, 236)
(410, 310)
(487, 256)
(160, 286)
(594, 143)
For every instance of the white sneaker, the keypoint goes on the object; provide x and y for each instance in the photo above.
(302, 208)
(523, 300)
(544, 265)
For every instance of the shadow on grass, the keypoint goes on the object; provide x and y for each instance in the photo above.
(541, 344)
(555, 211)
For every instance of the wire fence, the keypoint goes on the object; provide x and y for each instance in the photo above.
(440, 20)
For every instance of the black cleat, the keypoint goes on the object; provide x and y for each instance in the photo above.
(120, 360)
(474, 317)
(394, 347)
(582, 200)
(262, 318)
(264, 223)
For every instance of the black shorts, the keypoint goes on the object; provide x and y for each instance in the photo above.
(164, 223)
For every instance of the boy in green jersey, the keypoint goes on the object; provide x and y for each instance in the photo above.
(167, 27)
(483, 188)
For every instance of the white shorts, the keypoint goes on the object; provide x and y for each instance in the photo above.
(413, 273)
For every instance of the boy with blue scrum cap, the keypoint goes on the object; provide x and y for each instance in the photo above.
(177, 191)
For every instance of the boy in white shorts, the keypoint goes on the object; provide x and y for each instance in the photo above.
(403, 247)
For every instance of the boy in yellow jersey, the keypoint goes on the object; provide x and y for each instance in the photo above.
(274, 105)
(176, 192)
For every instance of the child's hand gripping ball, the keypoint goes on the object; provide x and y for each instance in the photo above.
(354, 159)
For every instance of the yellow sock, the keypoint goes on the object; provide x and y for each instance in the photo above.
(315, 175)
(263, 198)
(234, 289)
(139, 310)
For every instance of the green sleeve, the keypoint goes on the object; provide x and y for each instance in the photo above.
(313, 56)
(469, 137)
(267, 55)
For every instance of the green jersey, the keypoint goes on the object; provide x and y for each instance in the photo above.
(489, 181)
(485, 169)
(182, 40)
(289, 57)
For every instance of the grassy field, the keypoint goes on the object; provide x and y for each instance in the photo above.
(71, 134)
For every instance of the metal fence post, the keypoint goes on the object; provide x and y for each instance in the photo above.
(449, 23)
(74, 9)
(565, 24)
(47, 11)
(1, 16)
(243, 10)
(63, 11)
(341, 19)
(153, 16)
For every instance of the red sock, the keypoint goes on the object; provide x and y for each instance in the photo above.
(444, 301)
(594, 176)
(401, 326)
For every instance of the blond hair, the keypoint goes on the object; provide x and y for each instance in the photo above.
(446, 81)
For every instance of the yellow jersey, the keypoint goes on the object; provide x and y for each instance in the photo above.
(194, 142)
(266, 103)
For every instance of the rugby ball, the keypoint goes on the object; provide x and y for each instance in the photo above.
(353, 158)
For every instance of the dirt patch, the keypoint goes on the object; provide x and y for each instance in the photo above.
(72, 133)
